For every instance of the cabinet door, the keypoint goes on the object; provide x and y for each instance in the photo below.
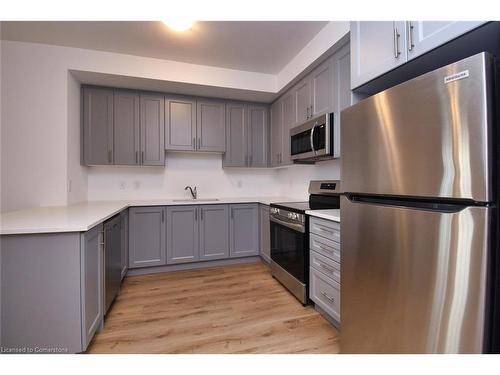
(124, 242)
(97, 126)
(288, 123)
(376, 49)
(265, 233)
(244, 230)
(257, 135)
(341, 92)
(126, 128)
(322, 88)
(211, 125)
(146, 237)
(180, 126)
(276, 133)
(302, 98)
(152, 130)
(426, 35)
(236, 136)
(92, 287)
(182, 234)
(214, 232)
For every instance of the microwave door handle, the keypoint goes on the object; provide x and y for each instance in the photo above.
(312, 137)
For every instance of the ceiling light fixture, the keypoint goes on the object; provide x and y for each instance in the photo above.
(179, 25)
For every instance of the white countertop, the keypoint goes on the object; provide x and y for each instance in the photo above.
(333, 215)
(81, 217)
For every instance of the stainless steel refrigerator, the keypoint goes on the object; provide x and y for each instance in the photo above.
(418, 222)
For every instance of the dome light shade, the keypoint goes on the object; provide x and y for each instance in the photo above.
(179, 24)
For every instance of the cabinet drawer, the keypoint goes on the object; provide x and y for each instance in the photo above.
(325, 228)
(325, 292)
(325, 265)
(324, 246)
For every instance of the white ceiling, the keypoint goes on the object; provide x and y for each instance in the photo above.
(255, 46)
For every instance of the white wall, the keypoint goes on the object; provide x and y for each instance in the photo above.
(182, 169)
(294, 180)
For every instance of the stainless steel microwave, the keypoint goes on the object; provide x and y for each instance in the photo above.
(313, 140)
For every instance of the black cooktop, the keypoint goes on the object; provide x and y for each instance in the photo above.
(299, 207)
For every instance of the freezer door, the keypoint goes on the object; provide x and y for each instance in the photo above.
(412, 281)
(428, 137)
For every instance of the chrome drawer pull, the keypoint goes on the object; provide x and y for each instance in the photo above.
(325, 248)
(325, 294)
(327, 268)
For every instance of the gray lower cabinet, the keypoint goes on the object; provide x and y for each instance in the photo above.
(182, 234)
(265, 233)
(124, 242)
(244, 237)
(92, 282)
(211, 125)
(147, 235)
(97, 126)
(180, 123)
(126, 134)
(214, 232)
(51, 291)
(152, 132)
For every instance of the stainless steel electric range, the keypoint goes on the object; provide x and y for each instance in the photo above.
(290, 236)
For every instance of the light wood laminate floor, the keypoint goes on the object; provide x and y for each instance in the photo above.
(233, 309)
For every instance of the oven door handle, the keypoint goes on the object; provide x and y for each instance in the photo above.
(312, 137)
(295, 226)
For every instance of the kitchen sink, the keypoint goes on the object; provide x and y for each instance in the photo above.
(196, 200)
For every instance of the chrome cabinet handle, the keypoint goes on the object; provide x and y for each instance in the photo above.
(396, 43)
(311, 110)
(199, 143)
(162, 216)
(325, 294)
(410, 36)
(194, 143)
(307, 113)
(137, 157)
(142, 157)
(325, 248)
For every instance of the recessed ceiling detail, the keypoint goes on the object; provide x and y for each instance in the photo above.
(255, 46)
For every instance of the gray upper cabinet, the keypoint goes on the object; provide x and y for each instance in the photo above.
(97, 127)
(214, 232)
(422, 36)
(342, 96)
(247, 129)
(182, 234)
(236, 136)
(288, 123)
(376, 48)
(92, 288)
(126, 137)
(258, 118)
(124, 242)
(211, 125)
(380, 46)
(276, 143)
(244, 230)
(147, 233)
(322, 88)
(180, 126)
(152, 126)
(302, 98)
(265, 233)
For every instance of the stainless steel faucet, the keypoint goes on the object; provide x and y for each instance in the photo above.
(194, 193)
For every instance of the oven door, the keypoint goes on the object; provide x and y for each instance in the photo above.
(290, 250)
